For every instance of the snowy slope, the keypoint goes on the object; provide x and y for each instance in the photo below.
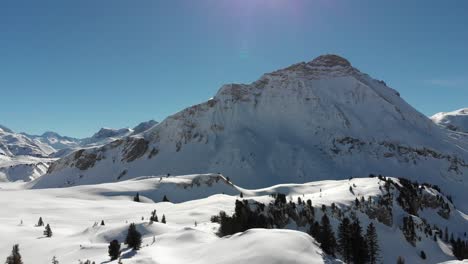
(456, 120)
(14, 144)
(72, 212)
(22, 168)
(318, 120)
(22, 158)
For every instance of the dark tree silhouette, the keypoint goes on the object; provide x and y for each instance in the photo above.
(15, 257)
(136, 198)
(400, 260)
(163, 220)
(326, 236)
(358, 244)
(372, 244)
(133, 238)
(40, 222)
(154, 216)
(48, 231)
(165, 199)
(344, 239)
(114, 249)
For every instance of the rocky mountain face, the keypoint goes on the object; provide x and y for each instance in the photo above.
(455, 121)
(322, 119)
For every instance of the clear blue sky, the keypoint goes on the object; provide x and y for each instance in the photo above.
(76, 66)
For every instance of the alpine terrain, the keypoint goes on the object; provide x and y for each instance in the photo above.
(316, 120)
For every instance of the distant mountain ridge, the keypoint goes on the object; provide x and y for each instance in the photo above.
(26, 157)
(455, 120)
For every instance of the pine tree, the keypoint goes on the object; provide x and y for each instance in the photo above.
(344, 239)
(40, 222)
(163, 220)
(136, 198)
(314, 230)
(423, 255)
(400, 260)
(358, 244)
(372, 244)
(114, 249)
(326, 236)
(154, 216)
(15, 257)
(48, 231)
(102, 222)
(54, 260)
(165, 199)
(133, 238)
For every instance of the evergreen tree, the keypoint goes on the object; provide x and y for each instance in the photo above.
(326, 236)
(409, 230)
(54, 260)
(154, 216)
(40, 222)
(163, 220)
(314, 230)
(344, 239)
(15, 257)
(48, 231)
(133, 238)
(372, 244)
(102, 222)
(400, 260)
(114, 249)
(358, 244)
(165, 199)
(136, 198)
(423, 255)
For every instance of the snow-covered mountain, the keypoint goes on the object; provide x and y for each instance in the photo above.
(26, 157)
(15, 144)
(322, 119)
(21, 157)
(55, 140)
(455, 120)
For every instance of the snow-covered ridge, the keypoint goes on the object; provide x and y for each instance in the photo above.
(455, 120)
(291, 125)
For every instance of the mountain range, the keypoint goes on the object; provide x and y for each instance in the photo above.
(320, 131)
(316, 120)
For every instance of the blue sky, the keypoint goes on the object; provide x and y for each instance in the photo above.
(76, 66)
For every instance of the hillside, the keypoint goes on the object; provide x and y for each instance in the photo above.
(189, 236)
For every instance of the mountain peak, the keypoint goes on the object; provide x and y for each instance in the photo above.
(5, 129)
(330, 60)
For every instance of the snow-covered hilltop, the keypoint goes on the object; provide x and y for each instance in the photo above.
(84, 219)
(316, 120)
(455, 120)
